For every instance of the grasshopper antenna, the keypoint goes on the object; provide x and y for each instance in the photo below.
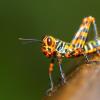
(35, 40)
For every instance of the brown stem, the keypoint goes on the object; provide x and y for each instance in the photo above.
(83, 84)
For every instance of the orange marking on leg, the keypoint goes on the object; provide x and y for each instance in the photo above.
(51, 67)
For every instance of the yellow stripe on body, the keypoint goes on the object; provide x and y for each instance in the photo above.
(69, 47)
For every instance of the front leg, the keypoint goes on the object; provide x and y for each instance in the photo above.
(49, 91)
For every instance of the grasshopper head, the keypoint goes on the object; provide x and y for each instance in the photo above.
(48, 46)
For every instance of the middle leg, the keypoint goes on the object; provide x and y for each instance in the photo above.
(59, 59)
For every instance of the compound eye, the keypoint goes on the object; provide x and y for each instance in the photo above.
(49, 41)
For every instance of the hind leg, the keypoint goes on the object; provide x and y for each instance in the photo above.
(98, 51)
(96, 38)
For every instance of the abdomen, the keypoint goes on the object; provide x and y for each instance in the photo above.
(90, 47)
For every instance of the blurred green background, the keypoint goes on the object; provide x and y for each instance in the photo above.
(23, 68)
